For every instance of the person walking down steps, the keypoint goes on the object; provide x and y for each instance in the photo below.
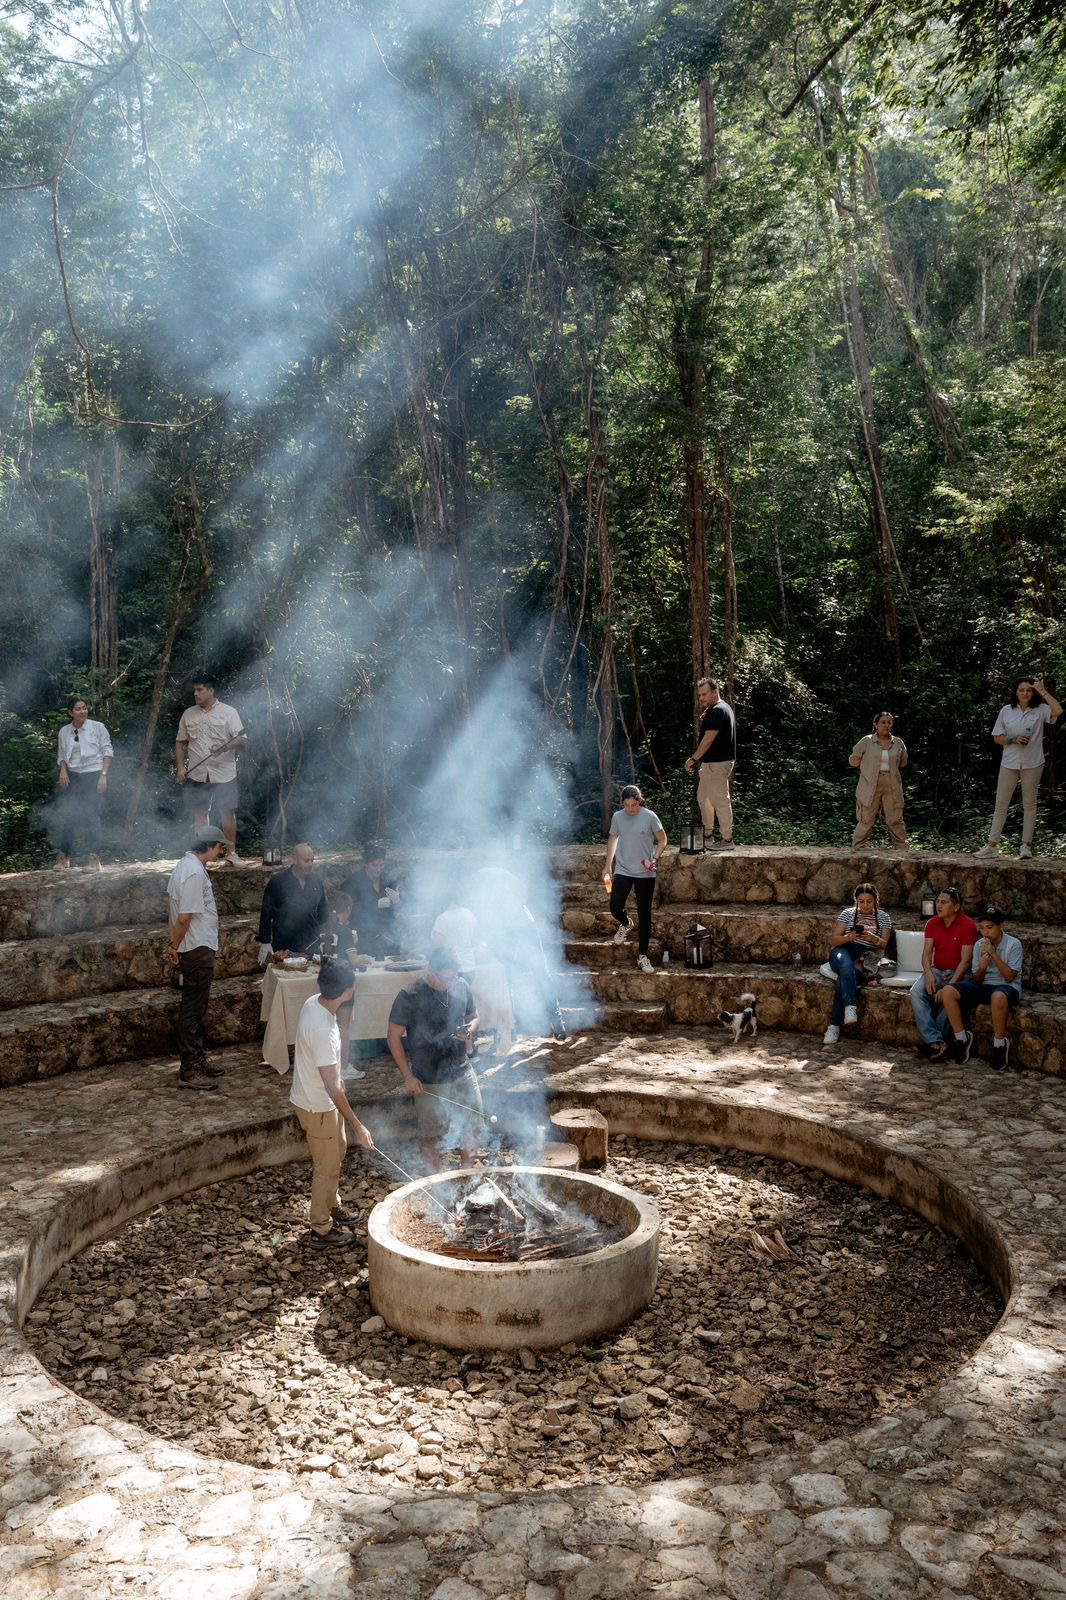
(637, 840)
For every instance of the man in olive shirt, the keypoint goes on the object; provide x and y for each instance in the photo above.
(715, 757)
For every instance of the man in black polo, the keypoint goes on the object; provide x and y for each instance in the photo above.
(294, 912)
(431, 1026)
(715, 756)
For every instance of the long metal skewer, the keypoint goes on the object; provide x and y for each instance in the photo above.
(462, 1106)
(411, 1179)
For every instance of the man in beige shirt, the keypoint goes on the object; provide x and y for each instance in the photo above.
(209, 736)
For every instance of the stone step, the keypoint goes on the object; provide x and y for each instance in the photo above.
(616, 1017)
(775, 935)
(1030, 891)
(107, 960)
(41, 905)
(43, 1041)
(800, 1002)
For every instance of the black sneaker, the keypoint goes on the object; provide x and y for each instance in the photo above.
(961, 1049)
(335, 1239)
(209, 1069)
(1000, 1053)
(196, 1078)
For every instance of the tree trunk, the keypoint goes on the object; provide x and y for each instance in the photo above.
(899, 301)
(188, 517)
(845, 212)
(605, 688)
(103, 602)
(727, 508)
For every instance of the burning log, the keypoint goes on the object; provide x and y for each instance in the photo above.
(587, 1131)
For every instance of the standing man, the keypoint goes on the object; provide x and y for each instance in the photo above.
(192, 949)
(715, 757)
(433, 1022)
(322, 1107)
(209, 736)
(294, 913)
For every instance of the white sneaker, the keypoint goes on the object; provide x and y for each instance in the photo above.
(985, 851)
(354, 1072)
(1025, 853)
(645, 964)
(622, 933)
(851, 1014)
(831, 1035)
(238, 861)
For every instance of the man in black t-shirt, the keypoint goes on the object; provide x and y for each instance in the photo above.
(431, 1028)
(715, 756)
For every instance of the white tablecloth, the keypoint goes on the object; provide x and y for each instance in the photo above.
(284, 993)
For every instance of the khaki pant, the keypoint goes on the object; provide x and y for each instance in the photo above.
(888, 797)
(1009, 778)
(327, 1141)
(713, 795)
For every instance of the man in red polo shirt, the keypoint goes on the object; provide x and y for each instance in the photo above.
(949, 940)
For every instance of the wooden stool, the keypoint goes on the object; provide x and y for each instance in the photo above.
(587, 1131)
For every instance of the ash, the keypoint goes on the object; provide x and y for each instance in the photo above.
(506, 1218)
(206, 1322)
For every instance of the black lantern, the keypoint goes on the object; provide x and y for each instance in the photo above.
(698, 947)
(928, 899)
(272, 856)
(693, 838)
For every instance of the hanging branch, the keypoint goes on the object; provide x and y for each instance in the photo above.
(838, 44)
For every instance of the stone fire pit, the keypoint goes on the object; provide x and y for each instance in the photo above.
(500, 1304)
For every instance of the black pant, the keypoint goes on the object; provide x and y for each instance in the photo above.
(79, 813)
(644, 889)
(197, 970)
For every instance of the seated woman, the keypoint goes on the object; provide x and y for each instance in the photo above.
(995, 979)
(861, 928)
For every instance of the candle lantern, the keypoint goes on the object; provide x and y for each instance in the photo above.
(698, 947)
(928, 899)
(693, 840)
(271, 856)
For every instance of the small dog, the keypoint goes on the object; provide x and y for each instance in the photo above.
(738, 1022)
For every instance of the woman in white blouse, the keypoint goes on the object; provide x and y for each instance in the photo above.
(1019, 732)
(84, 759)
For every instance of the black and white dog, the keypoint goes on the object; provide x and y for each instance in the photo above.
(745, 1021)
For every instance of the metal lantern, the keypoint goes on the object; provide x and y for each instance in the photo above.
(693, 838)
(272, 856)
(698, 947)
(928, 899)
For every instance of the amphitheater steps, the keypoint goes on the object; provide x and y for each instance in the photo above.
(107, 960)
(800, 1002)
(42, 1041)
(776, 934)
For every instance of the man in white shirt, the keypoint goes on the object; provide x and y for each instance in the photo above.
(322, 1107)
(209, 736)
(192, 949)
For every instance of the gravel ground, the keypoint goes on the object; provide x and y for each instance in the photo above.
(205, 1321)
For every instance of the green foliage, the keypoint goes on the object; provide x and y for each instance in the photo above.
(381, 267)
